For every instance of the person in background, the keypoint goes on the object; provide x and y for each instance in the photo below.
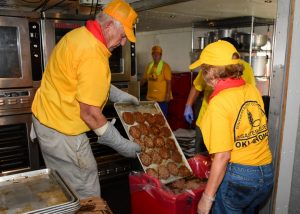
(74, 89)
(235, 132)
(199, 86)
(158, 75)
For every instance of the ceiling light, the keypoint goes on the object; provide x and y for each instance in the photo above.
(172, 16)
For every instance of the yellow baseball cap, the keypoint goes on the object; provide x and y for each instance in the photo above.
(121, 11)
(156, 49)
(217, 53)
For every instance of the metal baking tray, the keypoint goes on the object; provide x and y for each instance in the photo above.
(40, 191)
(153, 108)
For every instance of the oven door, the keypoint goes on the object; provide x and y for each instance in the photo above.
(122, 63)
(17, 152)
(15, 61)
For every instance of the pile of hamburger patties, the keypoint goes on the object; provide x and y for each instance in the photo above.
(159, 155)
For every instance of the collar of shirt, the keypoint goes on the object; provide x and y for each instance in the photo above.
(226, 83)
(96, 30)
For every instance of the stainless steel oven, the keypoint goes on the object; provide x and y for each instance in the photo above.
(17, 152)
(54, 26)
(15, 59)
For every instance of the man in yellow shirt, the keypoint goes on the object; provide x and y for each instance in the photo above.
(199, 86)
(74, 89)
(158, 75)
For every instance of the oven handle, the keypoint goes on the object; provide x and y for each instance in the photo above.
(122, 64)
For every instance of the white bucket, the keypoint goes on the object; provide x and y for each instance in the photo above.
(259, 65)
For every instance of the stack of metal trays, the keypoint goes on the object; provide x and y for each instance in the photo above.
(37, 192)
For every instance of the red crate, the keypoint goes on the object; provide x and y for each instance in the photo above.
(181, 84)
(148, 196)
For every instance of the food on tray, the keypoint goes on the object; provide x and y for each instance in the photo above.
(185, 184)
(156, 158)
(170, 144)
(173, 169)
(184, 171)
(128, 118)
(148, 142)
(164, 153)
(135, 132)
(138, 117)
(159, 119)
(141, 143)
(149, 118)
(163, 172)
(154, 130)
(176, 156)
(159, 142)
(53, 197)
(152, 172)
(178, 184)
(145, 159)
(144, 128)
(165, 132)
(193, 184)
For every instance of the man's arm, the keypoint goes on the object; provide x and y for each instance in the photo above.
(92, 116)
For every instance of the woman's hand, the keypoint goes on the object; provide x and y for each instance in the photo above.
(205, 204)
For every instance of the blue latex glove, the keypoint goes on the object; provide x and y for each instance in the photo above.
(188, 114)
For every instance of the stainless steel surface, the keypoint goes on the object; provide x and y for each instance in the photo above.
(259, 65)
(226, 33)
(203, 41)
(16, 101)
(20, 53)
(143, 5)
(17, 152)
(152, 108)
(42, 191)
(244, 39)
(258, 41)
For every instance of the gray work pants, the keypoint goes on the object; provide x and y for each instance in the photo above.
(72, 157)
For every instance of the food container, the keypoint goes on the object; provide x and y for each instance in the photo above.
(154, 109)
(148, 195)
(258, 64)
(40, 191)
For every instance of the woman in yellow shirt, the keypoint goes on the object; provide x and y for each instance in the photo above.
(158, 75)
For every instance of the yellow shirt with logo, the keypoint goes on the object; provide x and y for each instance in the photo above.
(200, 85)
(157, 84)
(235, 121)
(77, 71)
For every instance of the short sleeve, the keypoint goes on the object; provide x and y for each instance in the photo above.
(215, 127)
(93, 82)
(167, 72)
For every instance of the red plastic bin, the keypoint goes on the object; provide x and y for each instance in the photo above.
(148, 196)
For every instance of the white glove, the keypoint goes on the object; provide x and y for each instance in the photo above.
(117, 95)
(112, 138)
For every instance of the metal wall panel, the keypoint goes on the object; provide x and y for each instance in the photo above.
(294, 205)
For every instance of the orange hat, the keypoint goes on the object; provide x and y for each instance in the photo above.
(217, 53)
(121, 11)
(156, 49)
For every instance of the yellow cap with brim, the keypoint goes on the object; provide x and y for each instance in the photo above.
(121, 11)
(157, 49)
(217, 53)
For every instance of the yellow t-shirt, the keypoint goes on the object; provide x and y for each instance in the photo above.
(200, 85)
(235, 121)
(77, 71)
(157, 86)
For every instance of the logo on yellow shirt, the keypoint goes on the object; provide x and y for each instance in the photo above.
(251, 125)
